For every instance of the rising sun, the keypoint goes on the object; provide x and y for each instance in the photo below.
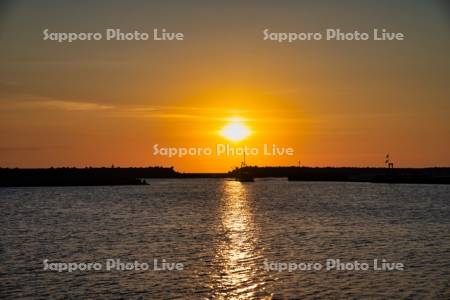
(235, 130)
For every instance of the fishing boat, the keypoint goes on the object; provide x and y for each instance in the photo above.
(243, 174)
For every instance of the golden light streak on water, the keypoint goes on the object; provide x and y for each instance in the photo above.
(237, 253)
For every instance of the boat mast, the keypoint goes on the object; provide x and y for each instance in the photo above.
(243, 162)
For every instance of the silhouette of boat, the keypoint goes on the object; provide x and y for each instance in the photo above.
(243, 174)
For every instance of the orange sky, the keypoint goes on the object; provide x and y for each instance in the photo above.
(334, 103)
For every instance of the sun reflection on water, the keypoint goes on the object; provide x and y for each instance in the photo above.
(237, 253)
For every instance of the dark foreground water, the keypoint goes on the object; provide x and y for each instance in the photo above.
(224, 233)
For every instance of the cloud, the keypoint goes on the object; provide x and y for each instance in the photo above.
(72, 105)
(19, 102)
(41, 103)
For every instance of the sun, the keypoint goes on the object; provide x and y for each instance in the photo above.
(235, 130)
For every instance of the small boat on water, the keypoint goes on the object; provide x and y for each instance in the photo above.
(243, 175)
(245, 178)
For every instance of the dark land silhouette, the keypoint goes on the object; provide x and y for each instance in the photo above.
(136, 176)
(81, 176)
(375, 175)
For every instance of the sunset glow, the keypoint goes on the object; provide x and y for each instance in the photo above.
(330, 101)
(235, 130)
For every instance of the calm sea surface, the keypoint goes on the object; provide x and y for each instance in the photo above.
(222, 232)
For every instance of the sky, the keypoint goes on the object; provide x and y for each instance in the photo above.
(336, 103)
